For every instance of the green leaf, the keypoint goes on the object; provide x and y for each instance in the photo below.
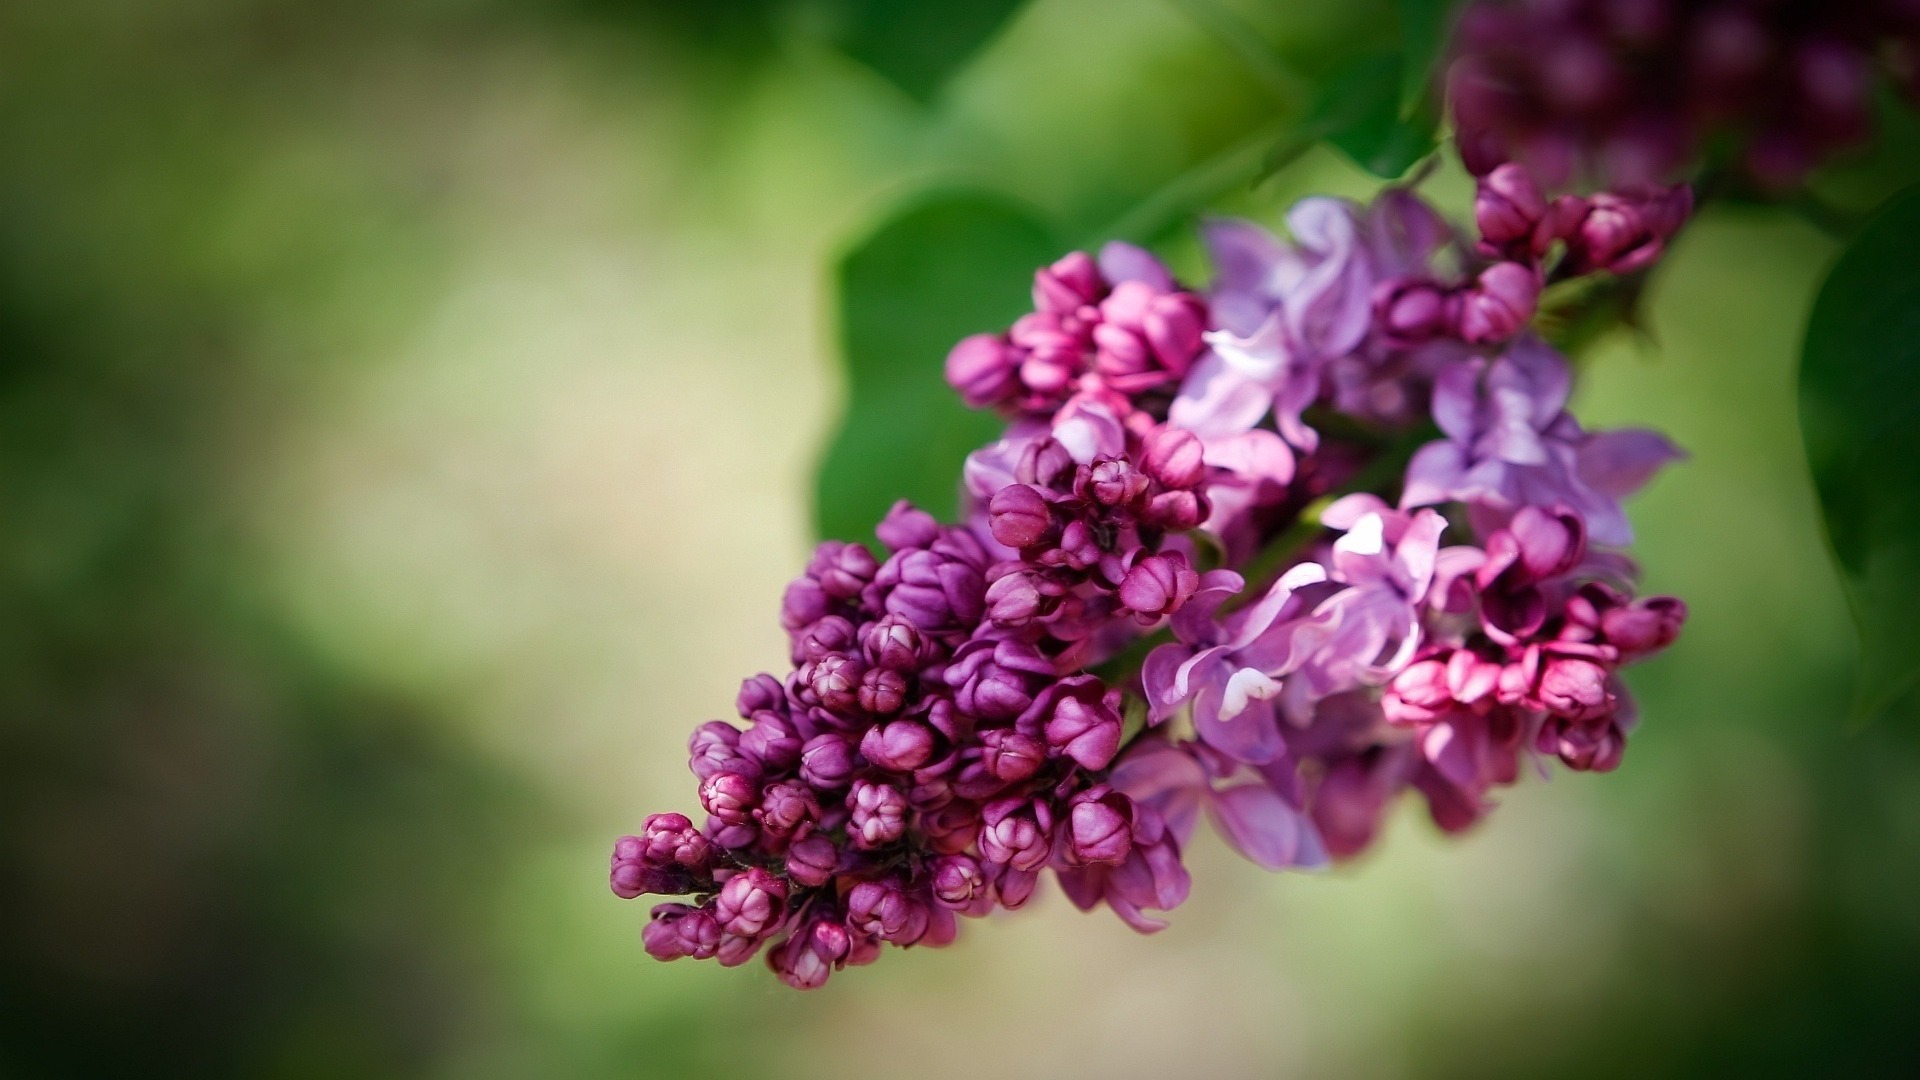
(1359, 114)
(1425, 26)
(917, 44)
(1860, 418)
(945, 266)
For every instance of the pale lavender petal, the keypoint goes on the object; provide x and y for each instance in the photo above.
(1343, 512)
(1417, 549)
(1456, 399)
(1435, 473)
(1089, 430)
(1121, 261)
(1254, 457)
(1193, 623)
(1256, 822)
(1253, 736)
(1217, 401)
(1619, 463)
(1157, 674)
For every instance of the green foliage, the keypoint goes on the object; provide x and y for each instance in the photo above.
(1424, 28)
(906, 433)
(918, 44)
(1359, 114)
(1859, 388)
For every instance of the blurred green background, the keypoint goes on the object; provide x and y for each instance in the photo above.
(407, 417)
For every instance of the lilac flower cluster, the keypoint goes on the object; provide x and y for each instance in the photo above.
(1628, 91)
(942, 741)
(935, 747)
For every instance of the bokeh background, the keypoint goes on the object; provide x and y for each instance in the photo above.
(407, 417)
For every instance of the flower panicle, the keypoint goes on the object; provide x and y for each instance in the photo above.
(941, 743)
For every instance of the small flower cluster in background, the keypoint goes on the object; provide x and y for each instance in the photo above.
(1628, 92)
(1187, 499)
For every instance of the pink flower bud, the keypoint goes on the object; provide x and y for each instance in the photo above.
(901, 746)
(1174, 457)
(1017, 833)
(812, 861)
(882, 692)
(750, 903)
(1068, 285)
(1099, 827)
(806, 960)
(1157, 586)
(958, 881)
(1020, 517)
(878, 814)
(983, 370)
(827, 761)
(1508, 206)
(1499, 305)
(729, 797)
(787, 807)
(678, 930)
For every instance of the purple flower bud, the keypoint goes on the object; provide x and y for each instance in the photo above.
(632, 874)
(883, 909)
(1068, 285)
(882, 692)
(1113, 482)
(957, 881)
(1418, 694)
(939, 589)
(715, 748)
(1614, 237)
(1174, 457)
(901, 746)
(1085, 725)
(1010, 756)
(1099, 827)
(894, 643)
(907, 526)
(812, 861)
(952, 828)
(729, 797)
(827, 761)
(1020, 517)
(1500, 304)
(835, 680)
(1508, 206)
(1176, 511)
(762, 693)
(878, 814)
(1644, 628)
(1014, 887)
(750, 903)
(1157, 586)
(787, 807)
(1410, 310)
(1017, 833)
(993, 681)
(1044, 463)
(1549, 542)
(735, 950)
(672, 839)
(678, 930)
(805, 960)
(1584, 746)
(1014, 599)
(803, 605)
(771, 741)
(983, 370)
(833, 634)
(1348, 804)
(842, 569)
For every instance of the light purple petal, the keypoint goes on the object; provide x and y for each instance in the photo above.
(1157, 675)
(1120, 261)
(1089, 430)
(1216, 401)
(1456, 399)
(1253, 736)
(1343, 512)
(1437, 470)
(1193, 623)
(1619, 463)
(1166, 778)
(1256, 822)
